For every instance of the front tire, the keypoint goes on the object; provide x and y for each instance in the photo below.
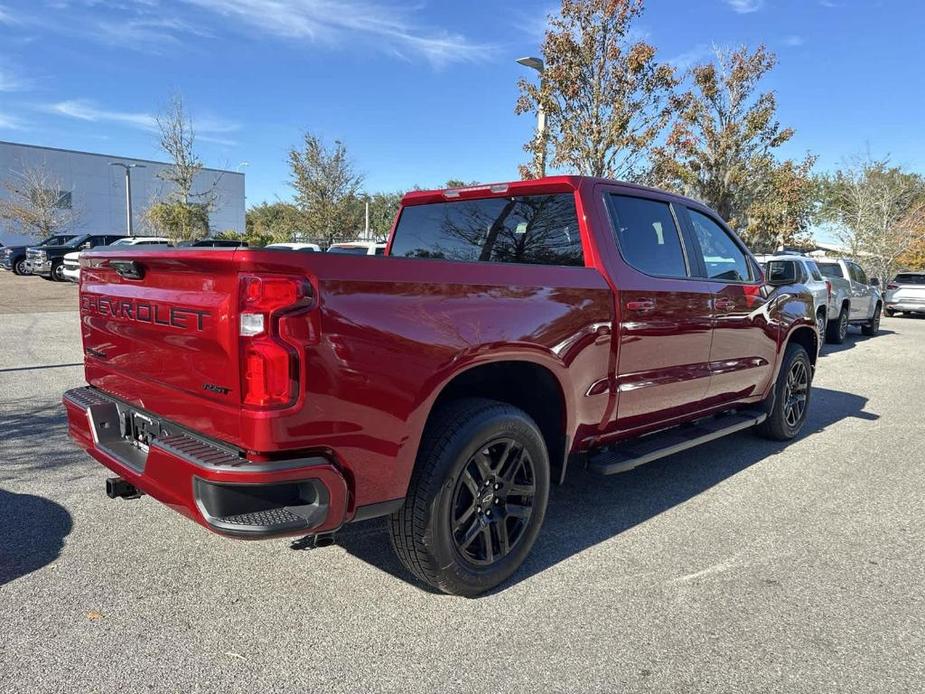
(873, 327)
(477, 497)
(837, 331)
(791, 396)
(20, 267)
(57, 272)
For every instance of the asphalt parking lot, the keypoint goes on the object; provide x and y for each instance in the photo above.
(744, 565)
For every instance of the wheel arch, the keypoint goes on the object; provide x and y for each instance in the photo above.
(526, 384)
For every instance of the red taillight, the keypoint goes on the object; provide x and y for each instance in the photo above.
(828, 287)
(269, 361)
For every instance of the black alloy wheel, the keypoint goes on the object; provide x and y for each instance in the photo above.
(795, 393)
(493, 501)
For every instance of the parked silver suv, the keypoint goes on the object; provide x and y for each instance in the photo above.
(855, 300)
(802, 270)
(906, 294)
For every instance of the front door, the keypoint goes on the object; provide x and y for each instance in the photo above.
(744, 346)
(860, 293)
(665, 314)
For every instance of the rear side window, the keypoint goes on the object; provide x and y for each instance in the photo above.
(532, 229)
(831, 270)
(723, 258)
(647, 236)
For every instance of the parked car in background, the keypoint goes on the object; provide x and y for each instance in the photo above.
(296, 246)
(71, 266)
(47, 261)
(803, 270)
(905, 294)
(13, 258)
(213, 243)
(357, 248)
(855, 299)
(265, 394)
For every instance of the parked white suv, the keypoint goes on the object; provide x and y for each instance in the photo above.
(70, 268)
(905, 294)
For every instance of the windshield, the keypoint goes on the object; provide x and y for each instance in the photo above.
(348, 250)
(832, 270)
(61, 240)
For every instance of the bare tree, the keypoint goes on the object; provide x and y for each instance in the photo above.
(877, 211)
(37, 204)
(184, 211)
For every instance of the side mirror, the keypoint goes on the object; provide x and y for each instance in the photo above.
(874, 281)
(780, 273)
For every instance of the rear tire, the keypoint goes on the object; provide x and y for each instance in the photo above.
(889, 313)
(477, 497)
(56, 272)
(837, 331)
(873, 327)
(19, 268)
(820, 326)
(791, 394)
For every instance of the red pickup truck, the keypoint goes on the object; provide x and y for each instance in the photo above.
(511, 332)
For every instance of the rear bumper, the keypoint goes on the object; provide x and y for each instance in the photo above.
(205, 480)
(918, 307)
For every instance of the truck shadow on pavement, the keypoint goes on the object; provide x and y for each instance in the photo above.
(34, 437)
(589, 509)
(33, 534)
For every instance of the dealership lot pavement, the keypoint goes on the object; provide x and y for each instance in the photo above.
(741, 566)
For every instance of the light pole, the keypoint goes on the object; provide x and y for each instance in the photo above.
(128, 192)
(540, 154)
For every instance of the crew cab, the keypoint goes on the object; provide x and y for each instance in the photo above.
(47, 260)
(855, 299)
(511, 333)
(13, 258)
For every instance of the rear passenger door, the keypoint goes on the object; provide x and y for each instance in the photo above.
(663, 346)
(744, 346)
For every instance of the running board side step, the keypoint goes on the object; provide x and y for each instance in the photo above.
(631, 454)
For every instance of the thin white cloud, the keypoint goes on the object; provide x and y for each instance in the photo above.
(207, 128)
(340, 22)
(10, 123)
(794, 40)
(146, 32)
(689, 58)
(11, 80)
(745, 6)
(6, 17)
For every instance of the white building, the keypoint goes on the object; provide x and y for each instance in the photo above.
(97, 189)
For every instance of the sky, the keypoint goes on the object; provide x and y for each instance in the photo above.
(419, 91)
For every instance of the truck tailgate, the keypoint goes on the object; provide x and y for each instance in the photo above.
(159, 327)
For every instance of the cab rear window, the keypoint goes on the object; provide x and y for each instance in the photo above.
(532, 229)
(832, 270)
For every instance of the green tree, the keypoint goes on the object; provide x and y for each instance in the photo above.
(279, 221)
(382, 210)
(720, 150)
(178, 220)
(782, 207)
(327, 191)
(605, 96)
